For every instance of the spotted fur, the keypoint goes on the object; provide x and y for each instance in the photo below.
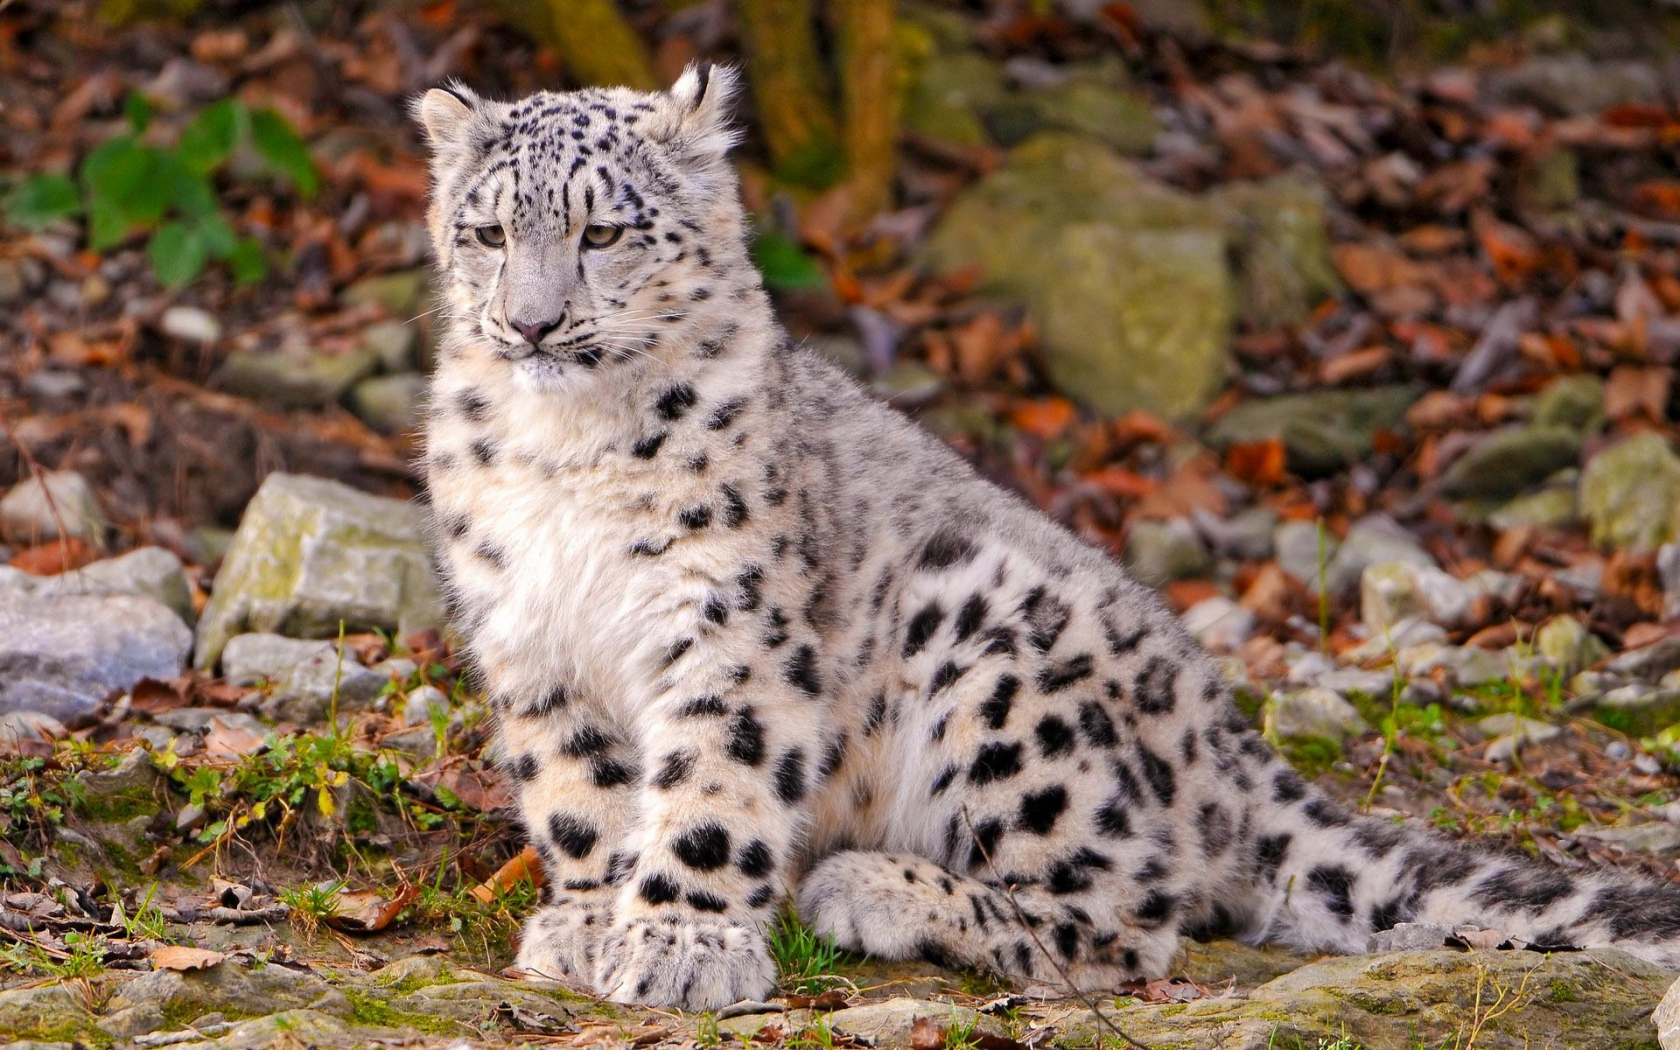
(750, 633)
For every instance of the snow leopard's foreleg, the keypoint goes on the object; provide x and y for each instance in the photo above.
(577, 799)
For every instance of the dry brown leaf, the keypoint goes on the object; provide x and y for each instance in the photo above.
(181, 958)
(526, 866)
(230, 741)
(366, 911)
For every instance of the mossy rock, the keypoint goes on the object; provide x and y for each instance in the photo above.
(1630, 493)
(47, 1014)
(1322, 430)
(311, 554)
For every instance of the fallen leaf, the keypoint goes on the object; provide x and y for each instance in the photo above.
(367, 911)
(833, 999)
(1258, 463)
(525, 866)
(230, 741)
(1046, 417)
(181, 958)
(928, 1034)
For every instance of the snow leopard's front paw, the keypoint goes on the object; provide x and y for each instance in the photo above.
(683, 961)
(562, 941)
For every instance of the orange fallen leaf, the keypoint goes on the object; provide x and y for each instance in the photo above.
(1257, 462)
(181, 958)
(525, 867)
(1045, 418)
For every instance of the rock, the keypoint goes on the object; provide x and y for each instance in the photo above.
(1551, 182)
(294, 379)
(1511, 732)
(149, 572)
(1637, 708)
(1392, 591)
(1550, 508)
(1580, 1000)
(200, 719)
(301, 676)
(225, 987)
(207, 545)
(1574, 401)
(1126, 277)
(393, 342)
(310, 553)
(1667, 1018)
(402, 294)
(422, 704)
(1282, 243)
(1466, 666)
(1302, 547)
(1219, 623)
(1402, 634)
(190, 324)
(1246, 535)
(1575, 84)
(1372, 540)
(1118, 116)
(389, 404)
(1649, 662)
(64, 655)
(58, 503)
(1315, 712)
(1652, 837)
(1510, 461)
(1161, 551)
(45, 1012)
(1568, 645)
(1409, 937)
(947, 95)
(889, 1023)
(1630, 493)
(1323, 431)
(29, 733)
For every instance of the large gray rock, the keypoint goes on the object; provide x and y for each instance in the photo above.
(149, 572)
(389, 404)
(301, 676)
(1323, 431)
(64, 655)
(312, 553)
(1372, 540)
(58, 503)
(294, 378)
(1316, 712)
(1576, 84)
(1126, 277)
(1630, 493)
(1508, 462)
(1282, 243)
(1667, 1018)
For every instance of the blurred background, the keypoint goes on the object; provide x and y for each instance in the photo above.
(1352, 326)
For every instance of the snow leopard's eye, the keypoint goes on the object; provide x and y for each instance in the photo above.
(600, 235)
(492, 236)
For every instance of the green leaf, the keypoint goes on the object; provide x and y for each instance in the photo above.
(247, 261)
(178, 254)
(212, 136)
(42, 198)
(784, 264)
(189, 190)
(138, 109)
(217, 235)
(282, 149)
(108, 223)
(131, 177)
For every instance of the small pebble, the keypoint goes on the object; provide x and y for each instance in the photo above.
(190, 324)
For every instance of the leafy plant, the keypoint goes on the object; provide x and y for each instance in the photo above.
(310, 906)
(35, 795)
(128, 184)
(784, 264)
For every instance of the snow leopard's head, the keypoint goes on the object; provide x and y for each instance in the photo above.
(580, 229)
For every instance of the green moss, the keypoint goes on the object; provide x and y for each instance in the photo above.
(370, 1010)
(1561, 992)
(72, 1032)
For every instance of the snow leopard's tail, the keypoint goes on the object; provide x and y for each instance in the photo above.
(1327, 880)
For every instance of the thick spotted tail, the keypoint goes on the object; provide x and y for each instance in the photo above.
(1327, 880)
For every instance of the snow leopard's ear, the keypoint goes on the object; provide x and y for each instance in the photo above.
(447, 115)
(693, 119)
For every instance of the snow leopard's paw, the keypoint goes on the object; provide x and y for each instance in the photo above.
(562, 941)
(695, 964)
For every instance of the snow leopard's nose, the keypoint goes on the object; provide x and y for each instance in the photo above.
(534, 331)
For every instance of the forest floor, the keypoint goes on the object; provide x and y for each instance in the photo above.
(1425, 511)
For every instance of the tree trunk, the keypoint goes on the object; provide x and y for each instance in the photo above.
(592, 39)
(791, 89)
(869, 99)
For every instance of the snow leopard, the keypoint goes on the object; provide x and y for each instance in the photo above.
(754, 638)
